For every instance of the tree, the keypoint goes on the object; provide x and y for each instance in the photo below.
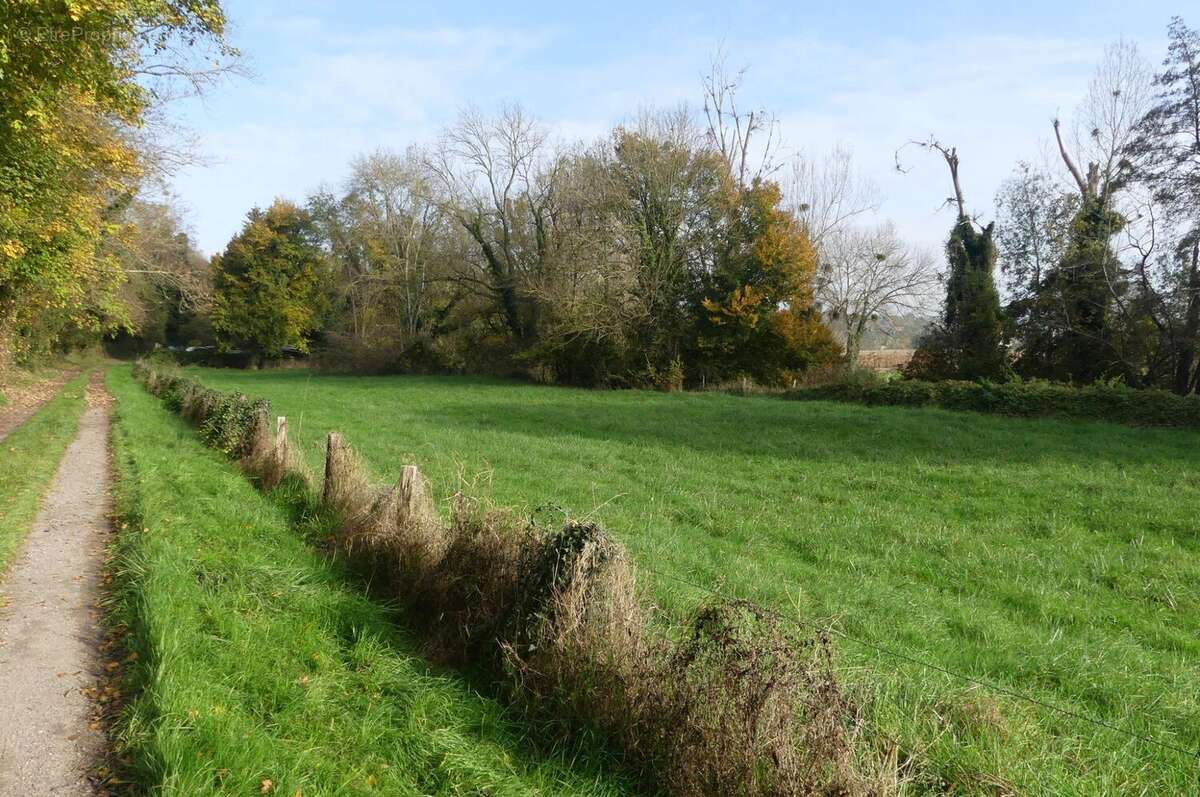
(168, 283)
(756, 315)
(867, 278)
(1032, 234)
(826, 193)
(967, 343)
(746, 140)
(271, 283)
(1081, 295)
(386, 233)
(633, 213)
(497, 180)
(76, 82)
(1166, 156)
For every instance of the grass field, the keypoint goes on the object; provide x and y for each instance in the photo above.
(257, 660)
(28, 459)
(1060, 559)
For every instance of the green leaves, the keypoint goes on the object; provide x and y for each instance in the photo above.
(271, 283)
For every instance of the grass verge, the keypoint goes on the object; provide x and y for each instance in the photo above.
(30, 457)
(257, 661)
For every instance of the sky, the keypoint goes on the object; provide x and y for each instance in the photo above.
(334, 80)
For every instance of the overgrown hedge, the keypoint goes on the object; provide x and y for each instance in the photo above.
(1106, 402)
(738, 703)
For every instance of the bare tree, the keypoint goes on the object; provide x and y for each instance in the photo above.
(825, 192)
(1106, 122)
(496, 178)
(390, 201)
(747, 140)
(868, 277)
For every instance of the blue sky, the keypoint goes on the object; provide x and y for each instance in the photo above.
(333, 80)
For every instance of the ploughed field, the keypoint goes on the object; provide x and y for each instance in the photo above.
(1060, 560)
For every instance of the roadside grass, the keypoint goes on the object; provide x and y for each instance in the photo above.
(29, 457)
(1059, 559)
(258, 659)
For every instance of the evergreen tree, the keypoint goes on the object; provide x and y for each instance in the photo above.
(1166, 154)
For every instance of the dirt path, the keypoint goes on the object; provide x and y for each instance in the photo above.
(48, 625)
(23, 402)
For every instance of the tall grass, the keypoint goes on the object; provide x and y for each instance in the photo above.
(259, 668)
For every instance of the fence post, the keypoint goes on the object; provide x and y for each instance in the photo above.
(335, 456)
(415, 503)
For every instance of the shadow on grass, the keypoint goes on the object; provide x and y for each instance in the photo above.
(541, 735)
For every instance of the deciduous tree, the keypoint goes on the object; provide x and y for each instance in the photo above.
(271, 284)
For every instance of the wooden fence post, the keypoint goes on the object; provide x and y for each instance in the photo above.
(335, 457)
(415, 504)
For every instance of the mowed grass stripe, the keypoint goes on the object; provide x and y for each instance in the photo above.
(1057, 558)
(258, 661)
(30, 457)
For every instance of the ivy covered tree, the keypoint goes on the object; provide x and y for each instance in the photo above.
(967, 342)
(271, 285)
(1082, 300)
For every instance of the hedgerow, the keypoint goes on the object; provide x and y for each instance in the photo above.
(1102, 401)
(735, 703)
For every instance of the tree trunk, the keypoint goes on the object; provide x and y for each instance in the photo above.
(1186, 357)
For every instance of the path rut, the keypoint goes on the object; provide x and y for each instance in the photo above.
(49, 628)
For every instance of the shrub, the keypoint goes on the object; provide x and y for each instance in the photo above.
(1107, 401)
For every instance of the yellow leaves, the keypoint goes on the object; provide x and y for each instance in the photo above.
(742, 305)
(267, 787)
(11, 249)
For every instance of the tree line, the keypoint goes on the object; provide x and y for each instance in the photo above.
(1099, 259)
(82, 137)
(680, 248)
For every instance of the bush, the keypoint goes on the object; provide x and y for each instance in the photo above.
(1104, 401)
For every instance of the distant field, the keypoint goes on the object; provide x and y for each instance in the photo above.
(1060, 559)
(885, 359)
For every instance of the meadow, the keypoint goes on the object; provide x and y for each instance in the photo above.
(1057, 559)
(258, 666)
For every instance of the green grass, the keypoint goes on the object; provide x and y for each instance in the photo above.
(258, 659)
(28, 460)
(1057, 558)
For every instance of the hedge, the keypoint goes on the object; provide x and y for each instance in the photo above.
(1034, 399)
